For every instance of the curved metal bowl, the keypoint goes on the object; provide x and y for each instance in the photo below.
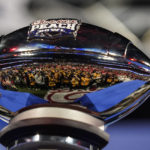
(72, 63)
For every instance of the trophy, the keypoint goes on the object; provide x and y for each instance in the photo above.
(62, 82)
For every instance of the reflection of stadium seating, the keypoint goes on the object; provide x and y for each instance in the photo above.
(52, 76)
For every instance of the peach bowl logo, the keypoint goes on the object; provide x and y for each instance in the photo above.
(49, 29)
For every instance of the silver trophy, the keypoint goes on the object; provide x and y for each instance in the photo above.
(63, 81)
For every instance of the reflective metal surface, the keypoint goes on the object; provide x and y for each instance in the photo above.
(62, 60)
(45, 142)
(49, 127)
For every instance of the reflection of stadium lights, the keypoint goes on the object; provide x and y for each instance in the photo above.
(133, 59)
(23, 49)
(143, 66)
(69, 140)
(26, 54)
(146, 69)
(113, 54)
(36, 137)
(146, 63)
(13, 49)
(106, 58)
(97, 50)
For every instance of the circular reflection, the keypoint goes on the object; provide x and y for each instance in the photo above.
(74, 63)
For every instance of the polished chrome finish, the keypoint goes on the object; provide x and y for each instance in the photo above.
(61, 60)
(6, 115)
(52, 127)
(61, 113)
(90, 77)
(54, 142)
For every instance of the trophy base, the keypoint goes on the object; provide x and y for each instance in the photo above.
(54, 128)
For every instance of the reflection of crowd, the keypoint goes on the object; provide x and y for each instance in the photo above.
(51, 76)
